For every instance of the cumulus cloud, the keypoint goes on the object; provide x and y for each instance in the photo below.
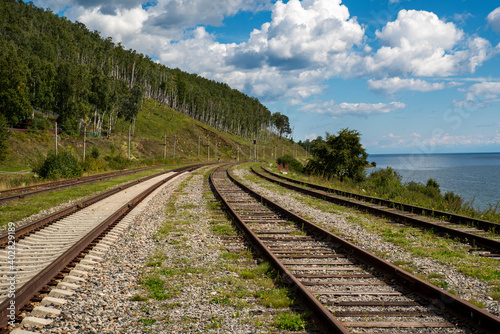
(124, 26)
(419, 43)
(493, 19)
(179, 15)
(355, 109)
(392, 85)
(305, 34)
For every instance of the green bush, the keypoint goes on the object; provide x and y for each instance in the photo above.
(385, 181)
(117, 162)
(62, 165)
(293, 164)
(95, 153)
(94, 165)
(39, 124)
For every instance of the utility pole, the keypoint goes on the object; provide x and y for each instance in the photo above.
(56, 138)
(208, 154)
(216, 150)
(84, 140)
(198, 147)
(255, 149)
(129, 129)
(238, 149)
(175, 139)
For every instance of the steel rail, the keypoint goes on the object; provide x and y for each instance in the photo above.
(327, 320)
(24, 294)
(56, 185)
(456, 306)
(413, 219)
(451, 217)
(24, 230)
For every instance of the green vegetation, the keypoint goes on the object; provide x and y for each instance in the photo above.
(4, 134)
(340, 156)
(293, 164)
(290, 321)
(62, 165)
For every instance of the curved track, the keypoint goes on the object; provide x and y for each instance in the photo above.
(6, 195)
(347, 289)
(39, 253)
(453, 226)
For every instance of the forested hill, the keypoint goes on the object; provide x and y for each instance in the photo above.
(54, 66)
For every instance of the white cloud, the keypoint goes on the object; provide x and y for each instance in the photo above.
(480, 95)
(353, 109)
(419, 43)
(493, 19)
(392, 85)
(125, 26)
(305, 34)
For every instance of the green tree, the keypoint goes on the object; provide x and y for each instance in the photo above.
(14, 93)
(281, 123)
(340, 156)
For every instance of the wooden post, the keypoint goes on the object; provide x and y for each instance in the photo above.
(198, 147)
(208, 154)
(56, 138)
(175, 139)
(84, 139)
(165, 148)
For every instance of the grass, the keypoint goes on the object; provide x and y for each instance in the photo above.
(148, 321)
(290, 321)
(275, 298)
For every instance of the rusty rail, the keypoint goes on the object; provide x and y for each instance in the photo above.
(24, 230)
(397, 215)
(456, 306)
(24, 294)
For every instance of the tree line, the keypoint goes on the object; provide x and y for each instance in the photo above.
(58, 68)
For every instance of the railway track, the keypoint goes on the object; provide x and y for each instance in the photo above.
(17, 193)
(347, 289)
(468, 230)
(32, 257)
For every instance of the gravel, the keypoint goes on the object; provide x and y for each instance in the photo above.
(104, 303)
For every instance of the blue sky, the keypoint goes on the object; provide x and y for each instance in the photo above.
(412, 76)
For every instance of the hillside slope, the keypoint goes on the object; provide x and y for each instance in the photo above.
(153, 122)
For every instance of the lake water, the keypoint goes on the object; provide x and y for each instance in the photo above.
(474, 176)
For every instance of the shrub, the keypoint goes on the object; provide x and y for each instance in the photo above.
(385, 181)
(117, 162)
(94, 165)
(293, 164)
(62, 165)
(39, 124)
(95, 153)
